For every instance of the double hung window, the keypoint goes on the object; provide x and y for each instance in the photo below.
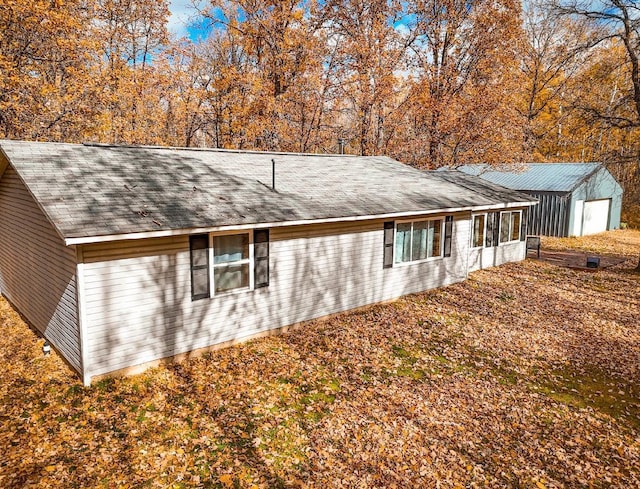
(231, 263)
(228, 262)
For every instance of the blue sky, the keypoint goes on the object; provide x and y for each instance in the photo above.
(182, 21)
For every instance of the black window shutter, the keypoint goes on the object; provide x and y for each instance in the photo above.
(448, 235)
(496, 228)
(261, 258)
(523, 224)
(200, 277)
(389, 228)
(489, 237)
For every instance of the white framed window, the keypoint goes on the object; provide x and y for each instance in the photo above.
(231, 259)
(478, 230)
(228, 262)
(510, 226)
(418, 240)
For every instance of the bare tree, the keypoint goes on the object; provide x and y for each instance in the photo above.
(615, 24)
(552, 55)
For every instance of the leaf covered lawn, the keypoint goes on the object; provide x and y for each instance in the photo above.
(525, 375)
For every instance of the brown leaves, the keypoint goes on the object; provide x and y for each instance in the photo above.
(45, 55)
(524, 375)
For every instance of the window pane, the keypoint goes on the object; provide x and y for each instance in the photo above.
(419, 245)
(435, 228)
(515, 226)
(231, 277)
(200, 279)
(505, 221)
(478, 231)
(230, 248)
(403, 242)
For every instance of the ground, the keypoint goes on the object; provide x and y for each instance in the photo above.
(526, 375)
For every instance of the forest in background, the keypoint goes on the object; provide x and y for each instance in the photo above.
(428, 82)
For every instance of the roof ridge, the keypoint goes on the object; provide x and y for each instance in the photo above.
(501, 168)
(212, 150)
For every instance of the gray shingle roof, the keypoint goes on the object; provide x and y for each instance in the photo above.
(541, 177)
(90, 191)
(478, 185)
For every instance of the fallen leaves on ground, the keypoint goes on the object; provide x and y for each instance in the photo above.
(525, 375)
(621, 242)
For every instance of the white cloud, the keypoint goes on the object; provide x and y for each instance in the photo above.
(181, 12)
(403, 29)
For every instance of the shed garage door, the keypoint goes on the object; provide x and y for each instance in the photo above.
(596, 216)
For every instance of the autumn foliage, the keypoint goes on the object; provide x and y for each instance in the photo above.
(429, 82)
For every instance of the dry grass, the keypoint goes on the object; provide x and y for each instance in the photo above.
(523, 376)
(622, 242)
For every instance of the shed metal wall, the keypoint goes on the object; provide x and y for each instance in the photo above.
(551, 215)
(37, 271)
(137, 297)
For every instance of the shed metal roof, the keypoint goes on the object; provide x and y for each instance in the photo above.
(98, 190)
(541, 177)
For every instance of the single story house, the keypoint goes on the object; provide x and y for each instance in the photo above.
(575, 199)
(123, 256)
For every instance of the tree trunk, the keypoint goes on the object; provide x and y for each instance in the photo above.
(638, 267)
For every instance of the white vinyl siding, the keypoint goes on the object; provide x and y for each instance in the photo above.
(138, 293)
(37, 271)
(493, 256)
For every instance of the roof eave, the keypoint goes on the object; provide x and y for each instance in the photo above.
(71, 241)
(4, 162)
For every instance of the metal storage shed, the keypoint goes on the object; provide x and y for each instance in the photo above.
(575, 199)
